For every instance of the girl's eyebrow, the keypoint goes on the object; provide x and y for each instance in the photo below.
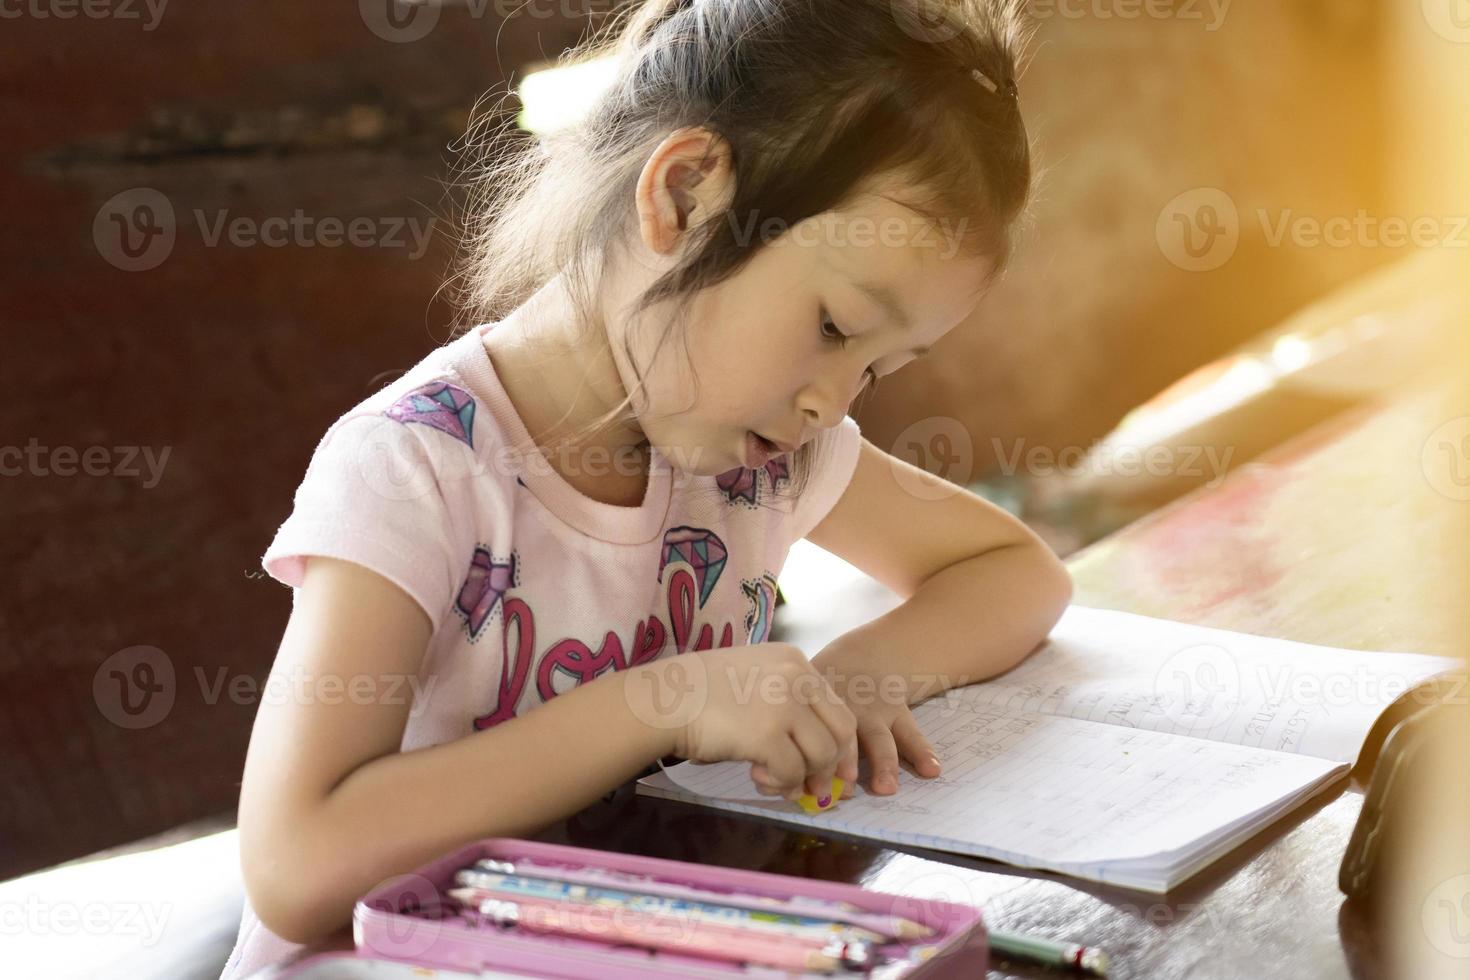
(885, 297)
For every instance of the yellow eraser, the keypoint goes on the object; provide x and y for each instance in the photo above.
(808, 802)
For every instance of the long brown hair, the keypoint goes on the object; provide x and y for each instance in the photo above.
(815, 98)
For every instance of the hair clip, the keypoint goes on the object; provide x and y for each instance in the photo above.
(994, 89)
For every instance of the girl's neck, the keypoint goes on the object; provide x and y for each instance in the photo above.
(559, 387)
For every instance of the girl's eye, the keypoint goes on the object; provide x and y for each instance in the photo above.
(842, 339)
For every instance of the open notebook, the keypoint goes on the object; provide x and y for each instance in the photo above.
(1126, 749)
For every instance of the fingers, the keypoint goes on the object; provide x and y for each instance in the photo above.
(784, 767)
(882, 752)
(847, 768)
(842, 725)
(763, 781)
(821, 752)
(913, 746)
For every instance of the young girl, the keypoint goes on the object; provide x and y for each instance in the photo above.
(546, 557)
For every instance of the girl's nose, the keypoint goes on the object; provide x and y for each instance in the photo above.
(827, 400)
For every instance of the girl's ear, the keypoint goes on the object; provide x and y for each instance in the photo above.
(689, 176)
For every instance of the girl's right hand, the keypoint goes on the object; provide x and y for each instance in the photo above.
(763, 703)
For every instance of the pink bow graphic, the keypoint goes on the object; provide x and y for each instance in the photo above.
(740, 483)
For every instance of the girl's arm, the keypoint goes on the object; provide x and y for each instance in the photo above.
(329, 806)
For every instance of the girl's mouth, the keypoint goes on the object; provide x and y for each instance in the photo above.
(758, 451)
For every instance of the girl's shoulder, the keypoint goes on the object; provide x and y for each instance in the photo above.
(434, 417)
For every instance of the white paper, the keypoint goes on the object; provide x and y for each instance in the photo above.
(1127, 749)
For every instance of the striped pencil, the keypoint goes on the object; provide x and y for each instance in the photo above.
(759, 919)
(802, 906)
(603, 924)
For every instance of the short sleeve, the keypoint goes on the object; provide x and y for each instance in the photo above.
(372, 495)
(834, 459)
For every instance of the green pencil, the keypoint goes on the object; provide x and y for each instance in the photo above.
(1029, 949)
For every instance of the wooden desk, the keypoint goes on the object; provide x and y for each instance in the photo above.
(1337, 537)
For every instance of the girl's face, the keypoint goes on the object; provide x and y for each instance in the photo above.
(767, 344)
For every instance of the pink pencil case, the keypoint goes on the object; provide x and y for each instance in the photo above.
(410, 921)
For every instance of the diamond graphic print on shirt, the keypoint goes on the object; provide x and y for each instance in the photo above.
(701, 549)
(762, 595)
(741, 483)
(483, 589)
(439, 405)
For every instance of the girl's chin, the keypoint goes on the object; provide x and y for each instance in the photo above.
(702, 460)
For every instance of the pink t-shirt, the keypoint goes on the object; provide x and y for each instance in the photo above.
(532, 586)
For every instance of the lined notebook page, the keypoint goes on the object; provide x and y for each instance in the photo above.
(1158, 675)
(1088, 799)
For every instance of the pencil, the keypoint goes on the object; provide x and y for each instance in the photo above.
(1030, 949)
(615, 925)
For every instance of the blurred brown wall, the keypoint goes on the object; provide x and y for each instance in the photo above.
(232, 358)
(1279, 107)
